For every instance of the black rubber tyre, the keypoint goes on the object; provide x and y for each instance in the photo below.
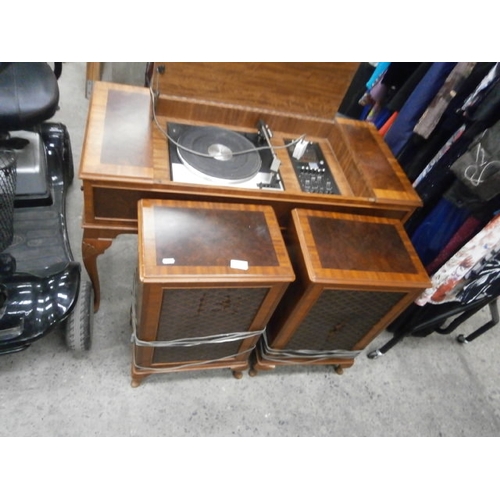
(80, 323)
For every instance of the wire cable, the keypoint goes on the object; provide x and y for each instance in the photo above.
(154, 95)
(301, 356)
(196, 341)
(189, 365)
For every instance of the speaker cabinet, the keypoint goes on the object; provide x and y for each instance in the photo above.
(355, 274)
(209, 277)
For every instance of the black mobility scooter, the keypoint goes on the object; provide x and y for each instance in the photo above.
(41, 289)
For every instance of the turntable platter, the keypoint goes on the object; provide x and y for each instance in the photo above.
(222, 147)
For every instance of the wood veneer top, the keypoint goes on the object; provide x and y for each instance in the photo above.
(186, 241)
(118, 136)
(123, 146)
(348, 249)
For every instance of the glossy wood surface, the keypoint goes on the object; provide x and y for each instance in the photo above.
(198, 241)
(355, 250)
(124, 149)
(355, 274)
(125, 155)
(309, 89)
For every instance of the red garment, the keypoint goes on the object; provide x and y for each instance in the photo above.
(450, 278)
(387, 125)
(466, 231)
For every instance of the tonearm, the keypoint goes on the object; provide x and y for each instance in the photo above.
(266, 135)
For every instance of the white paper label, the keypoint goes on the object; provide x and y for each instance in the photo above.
(239, 264)
(168, 260)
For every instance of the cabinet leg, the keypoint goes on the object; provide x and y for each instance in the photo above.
(91, 249)
(238, 374)
(137, 379)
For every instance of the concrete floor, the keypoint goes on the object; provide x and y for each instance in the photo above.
(423, 387)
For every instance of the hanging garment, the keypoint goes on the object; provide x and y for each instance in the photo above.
(419, 152)
(398, 73)
(481, 212)
(440, 177)
(479, 167)
(401, 79)
(412, 110)
(394, 78)
(407, 87)
(372, 95)
(450, 278)
(350, 106)
(467, 230)
(483, 283)
(448, 144)
(485, 107)
(428, 121)
(437, 230)
(377, 75)
(373, 98)
(382, 118)
(476, 97)
(378, 93)
(438, 180)
(388, 124)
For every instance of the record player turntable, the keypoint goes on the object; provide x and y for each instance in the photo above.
(219, 156)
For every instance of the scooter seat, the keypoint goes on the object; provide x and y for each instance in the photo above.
(29, 94)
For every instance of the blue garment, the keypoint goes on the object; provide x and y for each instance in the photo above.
(365, 112)
(382, 117)
(437, 229)
(416, 104)
(377, 73)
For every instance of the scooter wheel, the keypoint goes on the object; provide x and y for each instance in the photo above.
(79, 324)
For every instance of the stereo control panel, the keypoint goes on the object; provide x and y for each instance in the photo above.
(312, 171)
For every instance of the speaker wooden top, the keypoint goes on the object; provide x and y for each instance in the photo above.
(207, 242)
(346, 249)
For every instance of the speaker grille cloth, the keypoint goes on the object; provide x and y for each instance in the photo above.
(203, 312)
(339, 319)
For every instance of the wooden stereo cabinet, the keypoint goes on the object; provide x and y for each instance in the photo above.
(209, 277)
(355, 274)
(126, 155)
